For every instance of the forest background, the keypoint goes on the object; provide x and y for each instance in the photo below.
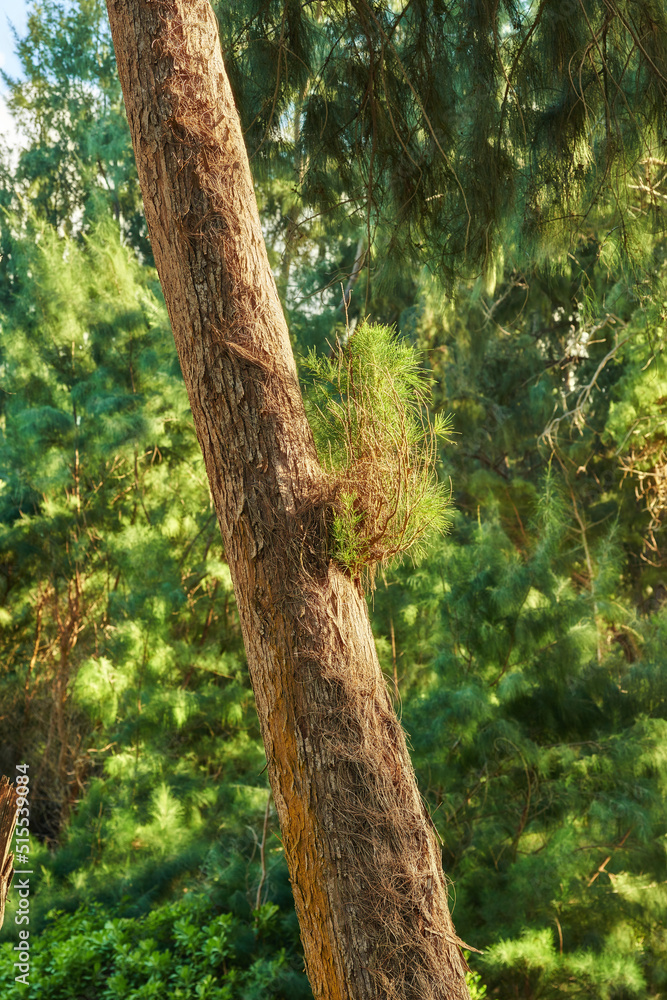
(525, 651)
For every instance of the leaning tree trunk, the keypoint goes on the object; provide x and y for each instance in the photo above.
(365, 868)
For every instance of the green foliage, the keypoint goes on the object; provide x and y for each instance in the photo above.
(346, 534)
(452, 133)
(78, 165)
(474, 980)
(367, 409)
(529, 652)
(121, 648)
(183, 949)
(543, 766)
(526, 650)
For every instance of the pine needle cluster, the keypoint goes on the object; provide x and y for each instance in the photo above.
(461, 133)
(367, 407)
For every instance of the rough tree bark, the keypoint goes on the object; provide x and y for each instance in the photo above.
(364, 863)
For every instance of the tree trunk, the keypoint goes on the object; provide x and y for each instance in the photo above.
(365, 867)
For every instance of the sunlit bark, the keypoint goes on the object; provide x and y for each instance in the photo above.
(364, 863)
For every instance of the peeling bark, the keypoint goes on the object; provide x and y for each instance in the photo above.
(365, 866)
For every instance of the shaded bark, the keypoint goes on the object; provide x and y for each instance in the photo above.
(364, 863)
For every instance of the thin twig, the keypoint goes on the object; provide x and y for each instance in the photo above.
(262, 852)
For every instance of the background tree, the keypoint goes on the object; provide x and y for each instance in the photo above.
(77, 166)
(457, 134)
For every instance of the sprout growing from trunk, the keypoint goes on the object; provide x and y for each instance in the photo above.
(367, 406)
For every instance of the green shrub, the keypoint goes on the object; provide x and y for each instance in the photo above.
(182, 950)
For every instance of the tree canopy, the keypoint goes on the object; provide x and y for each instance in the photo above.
(458, 133)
